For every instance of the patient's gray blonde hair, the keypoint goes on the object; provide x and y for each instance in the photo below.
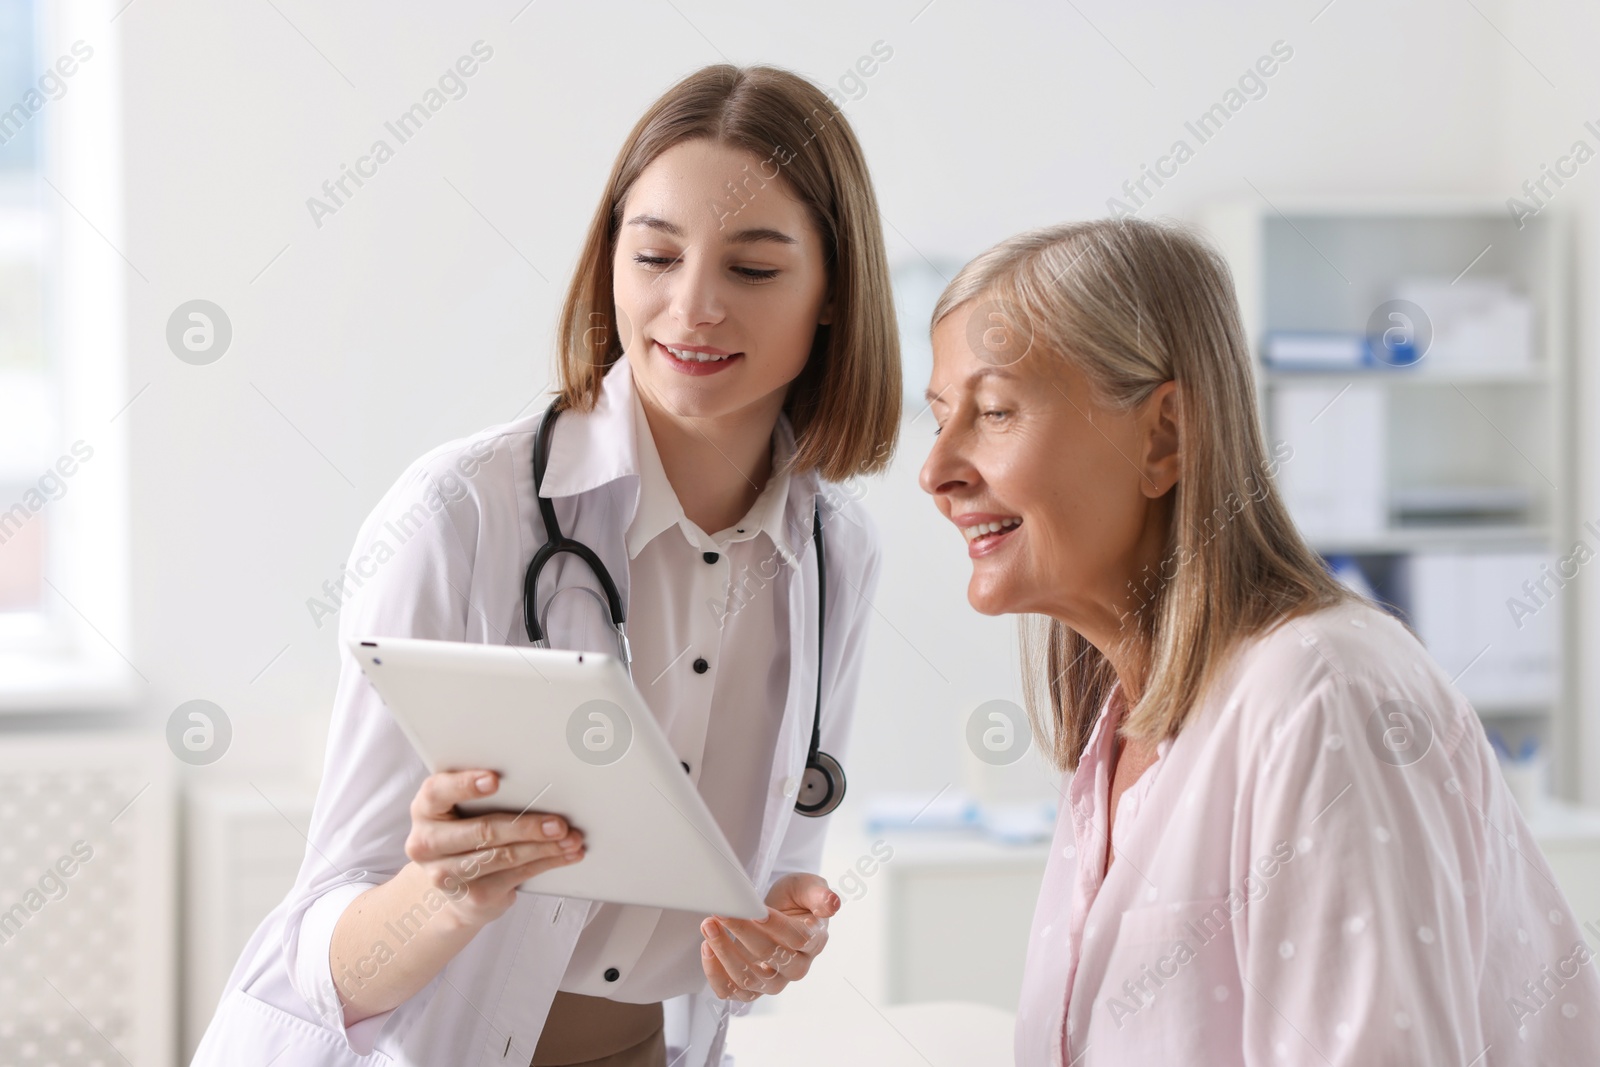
(1133, 304)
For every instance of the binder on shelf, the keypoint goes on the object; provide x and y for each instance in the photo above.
(1315, 350)
(1334, 480)
(1465, 608)
(1476, 324)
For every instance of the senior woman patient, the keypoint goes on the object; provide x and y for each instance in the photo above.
(1283, 837)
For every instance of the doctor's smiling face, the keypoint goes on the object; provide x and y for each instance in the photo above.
(1060, 498)
(718, 294)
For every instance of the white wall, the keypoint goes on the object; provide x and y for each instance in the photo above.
(406, 319)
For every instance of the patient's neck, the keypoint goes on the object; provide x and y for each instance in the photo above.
(1129, 656)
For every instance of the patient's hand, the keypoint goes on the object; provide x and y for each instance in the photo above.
(745, 958)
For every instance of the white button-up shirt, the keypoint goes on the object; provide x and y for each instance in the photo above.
(443, 556)
(1324, 867)
(709, 659)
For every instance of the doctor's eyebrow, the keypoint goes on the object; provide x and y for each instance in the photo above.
(738, 237)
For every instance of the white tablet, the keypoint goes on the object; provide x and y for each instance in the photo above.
(568, 733)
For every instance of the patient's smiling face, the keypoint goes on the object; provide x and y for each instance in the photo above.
(1080, 491)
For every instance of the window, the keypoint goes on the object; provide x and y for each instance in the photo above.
(29, 413)
(63, 551)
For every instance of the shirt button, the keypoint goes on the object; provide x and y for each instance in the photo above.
(709, 557)
(685, 766)
(612, 974)
(701, 666)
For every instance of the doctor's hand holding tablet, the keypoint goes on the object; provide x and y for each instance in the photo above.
(578, 752)
(478, 863)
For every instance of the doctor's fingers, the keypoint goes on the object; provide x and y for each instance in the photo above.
(479, 866)
(758, 945)
(435, 839)
(439, 793)
(493, 885)
(742, 970)
(797, 933)
(791, 963)
(722, 986)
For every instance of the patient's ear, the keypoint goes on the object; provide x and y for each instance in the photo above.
(1160, 433)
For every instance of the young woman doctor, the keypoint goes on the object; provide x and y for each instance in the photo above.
(727, 356)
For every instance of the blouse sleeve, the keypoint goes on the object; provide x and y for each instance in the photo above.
(1361, 946)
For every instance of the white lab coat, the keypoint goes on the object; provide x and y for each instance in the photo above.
(443, 556)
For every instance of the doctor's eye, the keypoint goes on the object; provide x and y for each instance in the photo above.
(652, 261)
(751, 274)
(996, 415)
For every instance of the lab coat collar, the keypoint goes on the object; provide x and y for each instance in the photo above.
(613, 442)
(660, 509)
(588, 451)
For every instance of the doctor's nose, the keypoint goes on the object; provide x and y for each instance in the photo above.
(696, 302)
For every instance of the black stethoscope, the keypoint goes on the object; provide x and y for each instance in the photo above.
(822, 785)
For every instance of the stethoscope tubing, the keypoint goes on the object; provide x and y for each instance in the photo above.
(822, 788)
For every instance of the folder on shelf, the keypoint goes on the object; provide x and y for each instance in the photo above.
(1475, 614)
(1333, 481)
(1476, 324)
(1309, 350)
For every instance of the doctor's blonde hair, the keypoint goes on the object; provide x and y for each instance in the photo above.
(845, 405)
(1134, 304)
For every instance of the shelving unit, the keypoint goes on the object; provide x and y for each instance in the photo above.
(1325, 266)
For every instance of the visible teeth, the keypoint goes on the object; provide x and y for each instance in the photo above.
(695, 357)
(972, 533)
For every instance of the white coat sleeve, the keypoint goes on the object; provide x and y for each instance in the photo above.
(407, 576)
(1360, 948)
(850, 594)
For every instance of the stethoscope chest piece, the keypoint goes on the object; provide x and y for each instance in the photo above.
(821, 787)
